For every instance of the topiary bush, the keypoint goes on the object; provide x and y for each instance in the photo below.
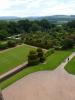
(36, 57)
(33, 58)
(41, 55)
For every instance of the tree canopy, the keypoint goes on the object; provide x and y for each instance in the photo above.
(41, 33)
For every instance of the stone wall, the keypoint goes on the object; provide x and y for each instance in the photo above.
(1, 96)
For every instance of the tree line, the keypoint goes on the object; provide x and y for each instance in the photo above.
(40, 33)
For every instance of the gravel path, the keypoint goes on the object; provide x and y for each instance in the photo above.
(44, 85)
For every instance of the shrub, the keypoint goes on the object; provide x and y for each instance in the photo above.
(49, 52)
(41, 55)
(57, 47)
(42, 59)
(11, 43)
(33, 62)
(33, 58)
(3, 46)
(18, 41)
(40, 52)
(67, 43)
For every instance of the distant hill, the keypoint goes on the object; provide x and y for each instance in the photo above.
(54, 18)
(9, 18)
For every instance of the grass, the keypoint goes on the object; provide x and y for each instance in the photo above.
(51, 63)
(11, 58)
(70, 67)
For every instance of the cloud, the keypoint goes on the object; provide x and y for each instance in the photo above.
(36, 7)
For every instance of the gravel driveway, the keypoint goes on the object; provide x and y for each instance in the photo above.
(44, 85)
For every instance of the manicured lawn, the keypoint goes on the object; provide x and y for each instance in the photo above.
(70, 67)
(51, 63)
(13, 57)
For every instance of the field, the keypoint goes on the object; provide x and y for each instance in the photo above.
(13, 57)
(70, 67)
(51, 63)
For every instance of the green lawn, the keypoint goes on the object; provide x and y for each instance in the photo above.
(13, 57)
(51, 63)
(70, 67)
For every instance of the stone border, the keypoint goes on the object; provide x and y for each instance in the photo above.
(13, 72)
(1, 96)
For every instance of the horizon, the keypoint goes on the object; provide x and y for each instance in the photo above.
(36, 16)
(32, 8)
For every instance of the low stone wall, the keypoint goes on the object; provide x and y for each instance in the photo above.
(13, 72)
(1, 96)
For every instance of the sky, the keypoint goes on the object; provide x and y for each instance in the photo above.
(25, 8)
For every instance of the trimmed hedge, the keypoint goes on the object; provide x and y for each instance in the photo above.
(3, 46)
(11, 43)
(36, 57)
(33, 58)
(49, 52)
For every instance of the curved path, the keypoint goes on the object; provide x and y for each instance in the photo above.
(44, 85)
